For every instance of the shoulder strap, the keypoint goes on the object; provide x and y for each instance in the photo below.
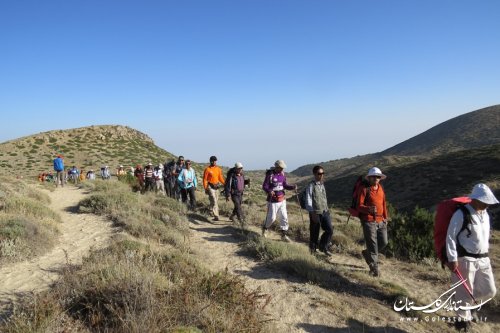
(467, 221)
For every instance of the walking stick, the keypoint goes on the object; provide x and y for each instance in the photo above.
(464, 283)
(301, 215)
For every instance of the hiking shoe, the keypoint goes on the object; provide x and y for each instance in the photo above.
(462, 325)
(313, 251)
(374, 271)
(327, 252)
(215, 218)
(264, 230)
(285, 238)
(231, 218)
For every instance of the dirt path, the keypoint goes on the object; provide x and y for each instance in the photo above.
(79, 233)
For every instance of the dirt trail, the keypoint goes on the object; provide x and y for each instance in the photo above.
(79, 233)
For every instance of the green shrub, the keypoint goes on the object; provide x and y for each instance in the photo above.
(411, 235)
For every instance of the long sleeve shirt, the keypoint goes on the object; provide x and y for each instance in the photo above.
(187, 178)
(212, 175)
(276, 182)
(477, 242)
(375, 198)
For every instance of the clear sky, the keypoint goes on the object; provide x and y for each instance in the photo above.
(248, 80)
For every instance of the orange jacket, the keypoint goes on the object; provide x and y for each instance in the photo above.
(377, 199)
(212, 175)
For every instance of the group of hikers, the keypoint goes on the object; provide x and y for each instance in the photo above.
(73, 174)
(466, 253)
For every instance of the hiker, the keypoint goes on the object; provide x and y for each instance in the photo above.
(275, 185)
(105, 172)
(120, 172)
(319, 215)
(59, 169)
(212, 180)
(187, 183)
(82, 174)
(90, 175)
(373, 215)
(74, 174)
(467, 252)
(235, 185)
(139, 175)
(170, 177)
(148, 177)
(158, 176)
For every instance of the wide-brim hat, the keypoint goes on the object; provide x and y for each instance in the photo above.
(483, 193)
(280, 164)
(376, 173)
(238, 165)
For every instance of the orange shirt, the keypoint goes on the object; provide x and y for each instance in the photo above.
(377, 199)
(212, 175)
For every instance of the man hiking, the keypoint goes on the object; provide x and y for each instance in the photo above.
(59, 169)
(319, 215)
(235, 185)
(467, 252)
(373, 215)
(212, 180)
(275, 185)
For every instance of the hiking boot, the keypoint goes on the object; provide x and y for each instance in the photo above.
(231, 218)
(374, 271)
(462, 325)
(216, 218)
(285, 238)
(264, 230)
(313, 251)
(327, 252)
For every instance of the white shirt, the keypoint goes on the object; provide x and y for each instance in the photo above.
(480, 233)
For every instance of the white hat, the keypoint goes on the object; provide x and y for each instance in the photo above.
(376, 172)
(238, 165)
(280, 164)
(160, 166)
(150, 163)
(483, 193)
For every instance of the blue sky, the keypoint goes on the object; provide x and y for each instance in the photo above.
(248, 80)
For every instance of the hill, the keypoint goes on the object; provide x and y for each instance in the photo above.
(85, 147)
(475, 129)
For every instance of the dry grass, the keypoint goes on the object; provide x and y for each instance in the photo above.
(27, 226)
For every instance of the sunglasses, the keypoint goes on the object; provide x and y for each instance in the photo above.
(320, 173)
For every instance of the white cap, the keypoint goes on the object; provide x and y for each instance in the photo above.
(280, 164)
(238, 165)
(150, 163)
(160, 166)
(483, 193)
(376, 172)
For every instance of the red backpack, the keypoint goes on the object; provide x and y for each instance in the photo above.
(361, 185)
(444, 212)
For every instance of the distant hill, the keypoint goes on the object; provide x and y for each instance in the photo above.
(87, 147)
(471, 130)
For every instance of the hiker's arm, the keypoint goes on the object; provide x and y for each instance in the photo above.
(205, 179)
(385, 210)
(451, 235)
(266, 186)
(221, 177)
(452, 265)
(361, 207)
(309, 201)
(288, 186)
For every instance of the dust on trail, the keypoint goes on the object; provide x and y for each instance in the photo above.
(78, 234)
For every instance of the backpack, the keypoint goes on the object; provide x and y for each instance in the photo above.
(444, 212)
(360, 185)
(303, 197)
(58, 164)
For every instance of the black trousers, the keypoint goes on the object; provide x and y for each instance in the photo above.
(324, 222)
(185, 192)
(237, 198)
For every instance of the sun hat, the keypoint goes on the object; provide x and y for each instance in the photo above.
(280, 164)
(160, 166)
(150, 163)
(376, 172)
(238, 165)
(483, 193)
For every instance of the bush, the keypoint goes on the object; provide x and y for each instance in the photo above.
(411, 235)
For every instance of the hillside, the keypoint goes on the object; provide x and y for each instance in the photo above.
(471, 130)
(85, 147)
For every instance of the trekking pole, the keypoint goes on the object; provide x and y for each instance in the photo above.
(301, 215)
(464, 283)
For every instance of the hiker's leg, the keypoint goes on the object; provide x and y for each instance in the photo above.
(235, 203)
(272, 208)
(484, 283)
(192, 197)
(184, 195)
(237, 206)
(370, 234)
(314, 227)
(468, 272)
(212, 196)
(326, 225)
(381, 236)
(283, 215)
